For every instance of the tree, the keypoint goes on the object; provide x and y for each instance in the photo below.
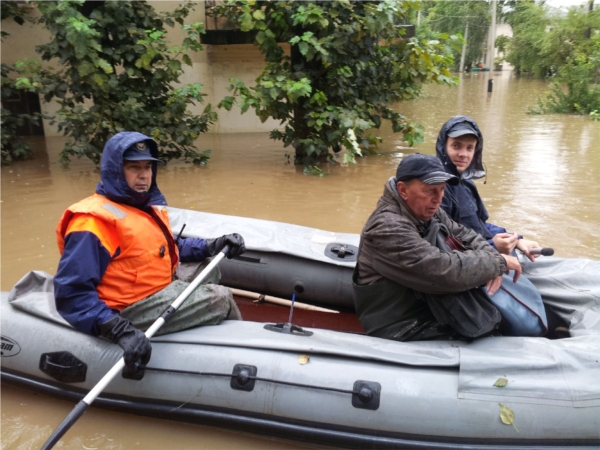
(526, 51)
(558, 48)
(12, 148)
(117, 72)
(501, 44)
(452, 17)
(577, 59)
(349, 62)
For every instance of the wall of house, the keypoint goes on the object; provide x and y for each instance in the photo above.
(502, 29)
(213, 67)
(21, 44)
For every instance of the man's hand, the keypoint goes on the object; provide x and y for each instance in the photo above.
(235, 241)
(136, 346)
(512, 263)
(525, 246)
(493, 285)
(505, 242)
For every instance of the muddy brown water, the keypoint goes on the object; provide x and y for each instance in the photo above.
(543, 182)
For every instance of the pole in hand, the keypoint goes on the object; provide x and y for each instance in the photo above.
(82, 406)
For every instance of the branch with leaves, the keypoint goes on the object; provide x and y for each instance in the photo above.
(117, 71)
(350, 65)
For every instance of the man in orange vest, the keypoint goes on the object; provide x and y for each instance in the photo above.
(119, 256)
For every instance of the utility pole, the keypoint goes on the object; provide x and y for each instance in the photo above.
(588, 32)
(492, 43)
(464, 50)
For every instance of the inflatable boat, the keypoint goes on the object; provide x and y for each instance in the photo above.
(317, 379)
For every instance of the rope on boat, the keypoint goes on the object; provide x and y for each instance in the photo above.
(250, 377)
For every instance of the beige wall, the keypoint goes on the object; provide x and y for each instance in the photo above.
(21, 44)
(213, 67)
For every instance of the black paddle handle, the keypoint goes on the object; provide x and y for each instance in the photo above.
(546, 251)
(75, 414)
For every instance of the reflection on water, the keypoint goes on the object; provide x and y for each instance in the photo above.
(28, 419)
(542, 182)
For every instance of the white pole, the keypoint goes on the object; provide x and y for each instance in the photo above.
(464, 50)
(492, 35)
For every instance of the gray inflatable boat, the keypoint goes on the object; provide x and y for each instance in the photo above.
(281, 259)
(325, 383)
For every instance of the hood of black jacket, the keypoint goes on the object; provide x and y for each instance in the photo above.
(475, 169)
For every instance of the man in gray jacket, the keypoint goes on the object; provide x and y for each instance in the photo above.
(408, 284)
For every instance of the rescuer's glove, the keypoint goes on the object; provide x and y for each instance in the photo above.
(134, 342)
(235, 242)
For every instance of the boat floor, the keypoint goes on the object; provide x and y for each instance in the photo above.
(268, 313)
(345, 321)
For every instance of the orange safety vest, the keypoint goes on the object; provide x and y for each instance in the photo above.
(148, 256)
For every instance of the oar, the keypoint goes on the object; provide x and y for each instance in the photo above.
(259, 298)
(80, 408)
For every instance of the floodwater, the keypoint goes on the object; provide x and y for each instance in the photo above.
(543, 182)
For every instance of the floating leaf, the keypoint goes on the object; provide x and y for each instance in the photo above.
(501, 382)
(303, 359)
(507, 416)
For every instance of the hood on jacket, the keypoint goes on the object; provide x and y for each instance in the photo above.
(475, 169)
(113, 184)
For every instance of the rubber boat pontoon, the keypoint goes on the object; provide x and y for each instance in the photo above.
(322, 382)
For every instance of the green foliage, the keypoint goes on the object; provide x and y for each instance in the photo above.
(559, 48)
(348, 64)
(12, 149)
(526, 51)
(451, 17)
(582, 93)
(117, 72)
(314, 170)
(501, 43)
(595, 115)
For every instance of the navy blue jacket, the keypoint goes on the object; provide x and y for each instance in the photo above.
(462, 202)
(85, 259)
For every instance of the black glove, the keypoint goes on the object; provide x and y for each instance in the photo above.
(134, 342)
(235, 242)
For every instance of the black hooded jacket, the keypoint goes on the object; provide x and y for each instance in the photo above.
(462, 202)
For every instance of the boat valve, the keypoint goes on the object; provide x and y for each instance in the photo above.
(337, 251)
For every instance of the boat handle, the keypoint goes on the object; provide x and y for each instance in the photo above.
(63, 366)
